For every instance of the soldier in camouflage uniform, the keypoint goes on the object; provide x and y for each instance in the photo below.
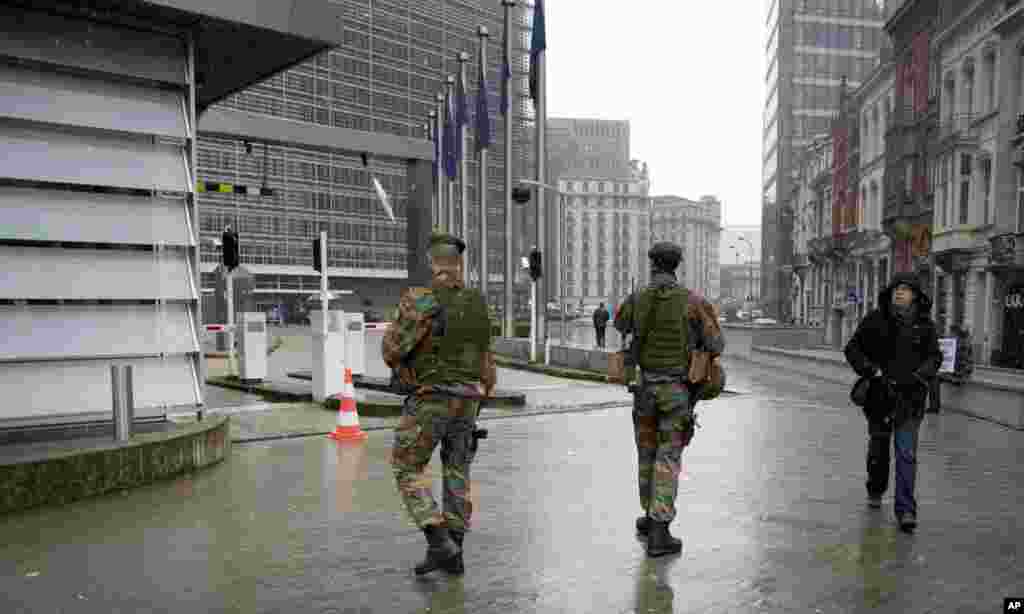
(668, 323)
(440, 351)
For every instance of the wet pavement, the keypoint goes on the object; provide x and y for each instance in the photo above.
(771, 512)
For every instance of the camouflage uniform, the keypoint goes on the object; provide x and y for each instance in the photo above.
(445, 384)
(664, 419)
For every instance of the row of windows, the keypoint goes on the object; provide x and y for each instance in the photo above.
(833, 66)
(860, 9)
(252, 252)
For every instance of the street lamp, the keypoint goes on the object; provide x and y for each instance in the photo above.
(750, 263)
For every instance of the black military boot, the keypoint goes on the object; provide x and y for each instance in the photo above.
(660, 542)
(455, 565)
(642, 524)
(440, 549)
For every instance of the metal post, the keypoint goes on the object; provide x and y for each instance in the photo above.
(533, 321)
(434, 134)
(229, 276)
(510, 265)
(540, 304)
(123, 400)
(438, 221)
(323, 285)
(481, 186)
(563, 265)
(463, 165)
(449, 214)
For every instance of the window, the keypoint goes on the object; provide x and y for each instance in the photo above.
(986, 188)
(1020, 201)
(965, 186)
(967, 104)
(990, 79)
(943, 196)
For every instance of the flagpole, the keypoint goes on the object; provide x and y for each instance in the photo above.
(509, 112)
(449, 212)
(463, 170)
(433, 134)
(439, 131)
(540, 305)
(482, 162)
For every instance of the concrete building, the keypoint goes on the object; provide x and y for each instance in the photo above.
(302, 132)
(978, 222)
(740, 282)
(604, 237)
(696, 225)
(99, 249)
(811, 45)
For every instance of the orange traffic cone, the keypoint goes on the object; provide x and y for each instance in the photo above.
(348, 417)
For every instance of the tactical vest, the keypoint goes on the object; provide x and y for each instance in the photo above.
(663, 324)
(461, 335)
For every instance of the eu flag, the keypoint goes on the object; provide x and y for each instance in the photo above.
(538, 43)
(483, 115)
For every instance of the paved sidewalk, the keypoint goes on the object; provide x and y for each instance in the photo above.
(771, 512)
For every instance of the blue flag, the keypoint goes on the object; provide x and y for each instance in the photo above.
(450, 139)
(461, 114)
(506, 74)
(538, 43)
(483, 115)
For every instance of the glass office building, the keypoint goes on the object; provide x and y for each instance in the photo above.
(382, 79)
(810, 45)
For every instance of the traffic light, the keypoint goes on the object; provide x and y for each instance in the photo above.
(535, 264)
(521, 195)
(316, 255)
(229, 249)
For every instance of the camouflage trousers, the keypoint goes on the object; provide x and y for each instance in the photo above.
(664, 423)
(423, 425)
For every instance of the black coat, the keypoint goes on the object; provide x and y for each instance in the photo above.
(907, 355)
(600, 317)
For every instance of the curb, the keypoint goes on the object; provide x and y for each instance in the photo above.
(565, 373)
(369, 408)
(582, 409)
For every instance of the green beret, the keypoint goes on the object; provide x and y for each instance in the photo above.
(666, 251)
(446, 244)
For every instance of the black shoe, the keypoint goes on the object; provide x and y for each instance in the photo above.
(907, 522)
(660, 542)
(455, 565)
(642, 524)
(440, 550)
(875, 501)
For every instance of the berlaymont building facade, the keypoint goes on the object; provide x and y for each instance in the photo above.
(282, 160)
(99, 258)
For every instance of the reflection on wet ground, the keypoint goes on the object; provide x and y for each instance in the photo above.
(771, 513)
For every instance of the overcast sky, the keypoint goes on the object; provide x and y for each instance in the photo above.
(689, 77)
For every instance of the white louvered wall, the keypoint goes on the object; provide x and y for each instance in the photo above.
(98, 252)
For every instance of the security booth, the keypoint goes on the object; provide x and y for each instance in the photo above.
(99, 249)
(355, 343)
(252, 345)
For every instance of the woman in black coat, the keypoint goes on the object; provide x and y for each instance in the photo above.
(898, 347)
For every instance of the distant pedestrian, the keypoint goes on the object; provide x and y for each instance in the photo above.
(600, 323)
(670, 325)
(897, 346)
(440, 351)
